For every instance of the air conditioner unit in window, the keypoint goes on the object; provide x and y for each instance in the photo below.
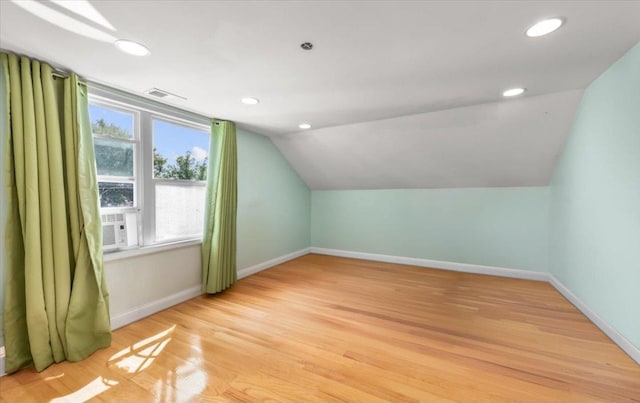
(114, 230)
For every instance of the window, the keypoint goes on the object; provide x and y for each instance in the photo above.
(180, 159)
(115, 140)
(151, 162)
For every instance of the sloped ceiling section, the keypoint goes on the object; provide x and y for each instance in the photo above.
(510, 143)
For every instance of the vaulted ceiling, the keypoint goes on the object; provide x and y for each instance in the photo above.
(399, 93)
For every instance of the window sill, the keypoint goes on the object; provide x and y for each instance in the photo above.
(147, 250)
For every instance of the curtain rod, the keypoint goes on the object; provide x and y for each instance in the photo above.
(59, 74)
(55, 73)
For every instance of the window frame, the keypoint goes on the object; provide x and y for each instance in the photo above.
(145, 112)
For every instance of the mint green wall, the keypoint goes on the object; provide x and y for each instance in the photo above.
(274, 204)
(503, 227)
(595, 200)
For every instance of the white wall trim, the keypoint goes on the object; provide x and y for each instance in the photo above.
(171, 300)
(438, 264)
(2, 367)
(147, 250)
(247, 271)
(613, 334)
(152, 307)
(619, 339)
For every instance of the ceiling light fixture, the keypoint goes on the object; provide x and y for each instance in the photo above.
(250, 101)
(544, 27)
(131, 47)
(304, 126)
(512, 92)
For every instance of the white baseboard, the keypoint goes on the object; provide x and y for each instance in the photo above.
(270, 263)
(152, 307)
(437, 264)
(619, 339)
(2, 367)
(613, 334)
(174, 299)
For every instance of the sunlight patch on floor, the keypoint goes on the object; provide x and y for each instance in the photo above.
(91, 390)
(52, 377)
(141, 355)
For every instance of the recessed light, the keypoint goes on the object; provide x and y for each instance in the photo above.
(304, 126)
(131, 47)
(544, 27)
(250, 101)
(513, 92)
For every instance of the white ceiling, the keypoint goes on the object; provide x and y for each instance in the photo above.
(372, 60)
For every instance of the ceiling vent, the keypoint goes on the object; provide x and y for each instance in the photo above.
(158, 93)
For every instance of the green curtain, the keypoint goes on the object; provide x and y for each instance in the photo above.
(56, 301)
(219, 243)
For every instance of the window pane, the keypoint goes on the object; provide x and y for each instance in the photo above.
(179, 152)
(116, 194)
(114, 158)
(110, 122)
(179, 211)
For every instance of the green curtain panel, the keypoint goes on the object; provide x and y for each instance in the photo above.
(219, 243)
(56, 302)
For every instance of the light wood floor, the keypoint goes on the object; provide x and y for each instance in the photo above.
(324, 328)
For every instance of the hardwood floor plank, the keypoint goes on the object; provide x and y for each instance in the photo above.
(322, 328)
